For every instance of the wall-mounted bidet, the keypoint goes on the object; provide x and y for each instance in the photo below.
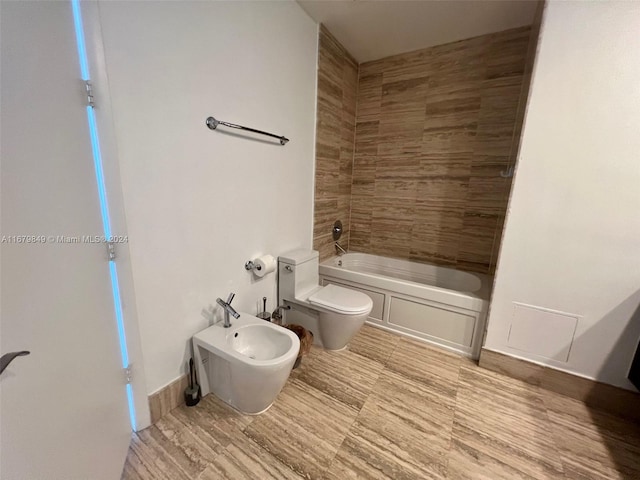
(247, 363)
(335, 313)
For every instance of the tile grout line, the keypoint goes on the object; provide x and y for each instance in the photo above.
(169, 458)
(453, 420)
(384, 367)
(262, 448)
(553, 436)
(184, 450)
(303, 474)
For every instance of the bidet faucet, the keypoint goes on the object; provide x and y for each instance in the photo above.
(228, 309)
(339, 250)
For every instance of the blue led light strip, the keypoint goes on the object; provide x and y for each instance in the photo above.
(102, 194)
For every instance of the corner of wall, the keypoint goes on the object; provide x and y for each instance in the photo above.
(337, 82)
(567, 203)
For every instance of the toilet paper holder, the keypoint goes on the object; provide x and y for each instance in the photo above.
(249, 265)
(261, 266)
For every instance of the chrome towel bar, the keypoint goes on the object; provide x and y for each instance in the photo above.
(212, 123)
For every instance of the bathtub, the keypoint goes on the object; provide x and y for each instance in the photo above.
(438, 305)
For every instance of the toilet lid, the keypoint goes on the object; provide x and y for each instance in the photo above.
(342, 300)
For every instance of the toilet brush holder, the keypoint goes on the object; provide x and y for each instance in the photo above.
(192, 392)
(264, 315)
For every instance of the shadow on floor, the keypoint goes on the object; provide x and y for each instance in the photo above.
(620, 435)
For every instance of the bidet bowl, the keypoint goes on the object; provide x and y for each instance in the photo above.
(248, 363)
(260, 342)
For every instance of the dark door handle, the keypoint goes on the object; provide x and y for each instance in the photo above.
(7, 358)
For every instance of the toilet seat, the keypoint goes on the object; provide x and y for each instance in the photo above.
(342, 300)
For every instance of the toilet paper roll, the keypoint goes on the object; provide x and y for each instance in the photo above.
(263, 265)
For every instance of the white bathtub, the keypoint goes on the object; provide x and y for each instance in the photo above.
(438, 305)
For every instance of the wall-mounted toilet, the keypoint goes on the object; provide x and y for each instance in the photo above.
(333, 313)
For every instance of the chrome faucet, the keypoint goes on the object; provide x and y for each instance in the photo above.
(339, 250)
(228, 309)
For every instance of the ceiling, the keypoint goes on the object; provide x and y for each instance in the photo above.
(370, 30)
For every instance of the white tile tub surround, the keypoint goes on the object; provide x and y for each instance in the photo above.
(436, 304)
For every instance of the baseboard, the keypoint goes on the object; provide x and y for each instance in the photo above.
(167, 398)
(602, 396)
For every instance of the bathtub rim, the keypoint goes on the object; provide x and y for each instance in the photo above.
(477, 301)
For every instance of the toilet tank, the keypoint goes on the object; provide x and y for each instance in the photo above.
(297, 274)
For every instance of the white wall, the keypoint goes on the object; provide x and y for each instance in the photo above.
(200, 203)
(572, 237)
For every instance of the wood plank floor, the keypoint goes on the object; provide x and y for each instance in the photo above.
(391, 408)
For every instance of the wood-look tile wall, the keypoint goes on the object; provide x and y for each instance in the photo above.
(434, 130)
(337, 87)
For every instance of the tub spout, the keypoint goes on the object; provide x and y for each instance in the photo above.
(339, 250)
